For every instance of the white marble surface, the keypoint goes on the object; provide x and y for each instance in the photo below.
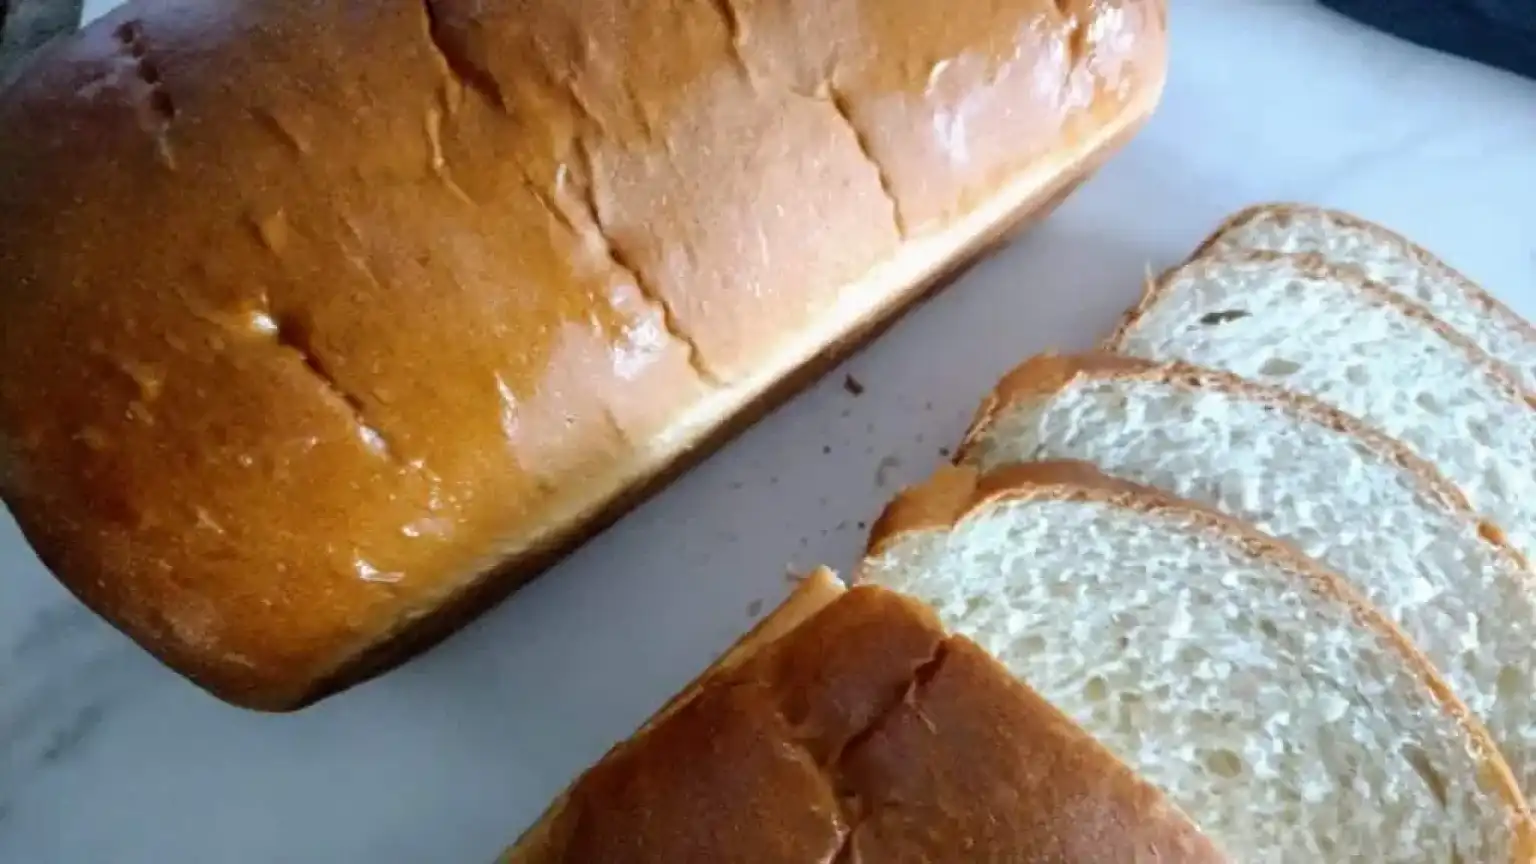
(105, 757)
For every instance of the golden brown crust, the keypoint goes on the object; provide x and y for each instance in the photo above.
(817, 590)
(957, 493)
(1285, 211)
(502, 580)
(812, 593)
(865, 734)
(954, 492)
(1315, 266)
(1044, 376)
(289, 368)
(987, 746)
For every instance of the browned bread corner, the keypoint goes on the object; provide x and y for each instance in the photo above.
(865, 733)
(324, 324)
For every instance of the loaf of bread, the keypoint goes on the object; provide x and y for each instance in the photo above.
(850, 727)
(323, 324)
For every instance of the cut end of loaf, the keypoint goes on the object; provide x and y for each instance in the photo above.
(862, 732)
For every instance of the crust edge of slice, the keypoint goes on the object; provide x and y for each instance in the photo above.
(1045, 375)
(1429, 261)
(1313, 266)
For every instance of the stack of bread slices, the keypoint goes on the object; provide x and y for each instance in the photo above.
(1270, 545)
(1249, 583)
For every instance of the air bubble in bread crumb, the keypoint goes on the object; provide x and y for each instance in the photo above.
(1514, 684)
(1224, 763)
(1096, 689)
(1279, 367)
(1425, 768)
(1333, 707)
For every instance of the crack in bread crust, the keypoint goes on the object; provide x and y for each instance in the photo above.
(156, 108)
(624, 264)
(849, 802)
(456, 63)
(844, 108)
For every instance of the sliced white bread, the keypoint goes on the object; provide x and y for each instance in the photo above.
(1295, 321)
(1258, 691)
(1297, 469)
(1391, 260)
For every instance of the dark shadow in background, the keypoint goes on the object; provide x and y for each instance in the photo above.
(1500, 33)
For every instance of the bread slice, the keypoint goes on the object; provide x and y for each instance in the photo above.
(1296, 321)
(1253, 687)
(1392, 261)
(1343, 493)
(851, 727)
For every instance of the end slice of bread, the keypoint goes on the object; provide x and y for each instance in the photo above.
(1256, 689)
(1343, 493)
(1299, 323)
(1390, 260)
(852, 727)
